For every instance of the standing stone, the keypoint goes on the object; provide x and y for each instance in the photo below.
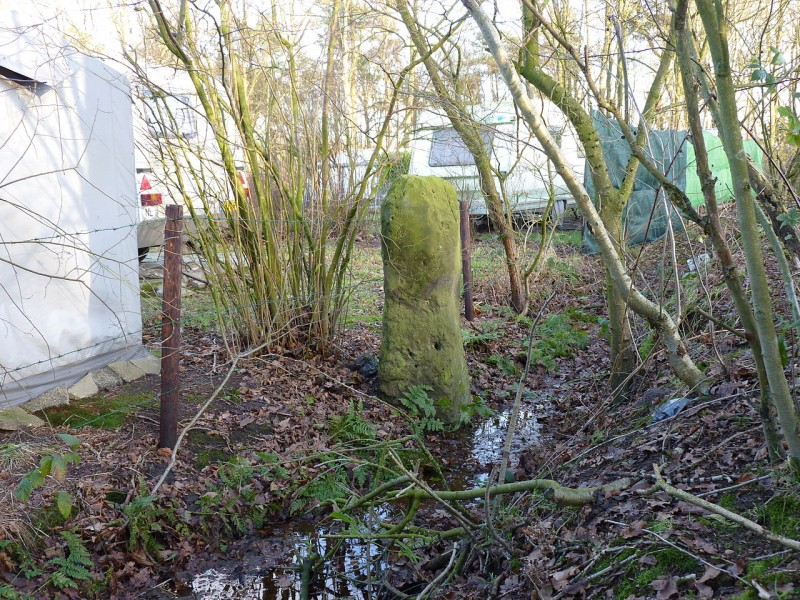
(421, 248)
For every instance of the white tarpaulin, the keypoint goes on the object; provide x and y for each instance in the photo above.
(68, 210)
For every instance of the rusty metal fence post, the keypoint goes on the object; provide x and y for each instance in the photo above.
(171, 329)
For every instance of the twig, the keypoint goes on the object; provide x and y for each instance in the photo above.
(489, 525)
(593, 576)
(713, 450)
(429, 588)
(724, 512)
(424, 491)
(733, 487)
(720, 323)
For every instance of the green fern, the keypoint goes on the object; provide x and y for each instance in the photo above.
(493, 330)
(421, 408)
(142, 516)
(330, 486)
(73, 568)
(271, 469)
(9, 593)
(236, 474)
(476, 407)
(352, 427)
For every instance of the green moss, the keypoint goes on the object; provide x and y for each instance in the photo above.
(47, 518)
(98, 412)
(669, 561)
(209, 449)
(116, 496)
(613, 559)
(676, 562)
(761, 571)
(782, 515)
(728, 501)
(211, 456)
(638, 584)
(421, 343)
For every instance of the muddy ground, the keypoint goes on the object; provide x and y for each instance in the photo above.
(247, 504)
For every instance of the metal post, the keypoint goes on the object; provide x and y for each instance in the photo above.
(466, 261)
(171, 330)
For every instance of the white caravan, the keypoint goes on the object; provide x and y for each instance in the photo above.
(177, 156)
(68, 270)
(523, 171)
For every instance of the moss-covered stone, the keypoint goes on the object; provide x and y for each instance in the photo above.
(421, 342)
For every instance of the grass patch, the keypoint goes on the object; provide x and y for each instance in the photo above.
(365, 294)
(197, 307)
(98, 412)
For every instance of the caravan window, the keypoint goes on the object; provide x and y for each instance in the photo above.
(170, 116)
(448, 149)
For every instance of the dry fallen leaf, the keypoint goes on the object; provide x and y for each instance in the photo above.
(560, 578)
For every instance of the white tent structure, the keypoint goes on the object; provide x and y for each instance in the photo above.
(68, 214)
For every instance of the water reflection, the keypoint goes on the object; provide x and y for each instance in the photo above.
(264, 575)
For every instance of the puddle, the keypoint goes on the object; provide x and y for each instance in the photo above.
(486, 442)
(268, 567)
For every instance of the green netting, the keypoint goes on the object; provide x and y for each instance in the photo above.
(718, 163)
(648, 213)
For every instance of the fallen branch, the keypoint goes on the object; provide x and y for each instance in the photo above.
(554, 490)
(564, 496)
(723, 512)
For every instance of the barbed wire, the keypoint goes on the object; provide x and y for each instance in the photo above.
(294, 304)
(187, 320)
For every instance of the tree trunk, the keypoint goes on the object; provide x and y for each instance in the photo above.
(715, 27)
(713, 227)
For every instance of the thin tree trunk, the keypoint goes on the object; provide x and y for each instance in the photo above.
(468, 132)
(713, 228)
(715, 27)
(678, 357)
(611, 201)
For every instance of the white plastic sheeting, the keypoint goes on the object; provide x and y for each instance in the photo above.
(69, 288)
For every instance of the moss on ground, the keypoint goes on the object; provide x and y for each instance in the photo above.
(782, 515)
(209, 449)
(766, 573)
(98, 412)
(669, 561)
